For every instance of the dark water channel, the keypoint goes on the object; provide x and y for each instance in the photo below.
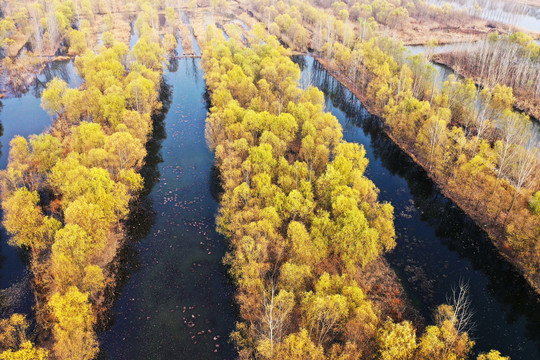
(438, 245)
(175, 301)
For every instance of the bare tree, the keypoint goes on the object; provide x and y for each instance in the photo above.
(34, 11)
(512, 129)
(52, 29)
(276, 307)
(462, 317)
(500, 61)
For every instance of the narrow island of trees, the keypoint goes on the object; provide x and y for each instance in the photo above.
(66, 192)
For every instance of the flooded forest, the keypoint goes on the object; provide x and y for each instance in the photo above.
(270, 179)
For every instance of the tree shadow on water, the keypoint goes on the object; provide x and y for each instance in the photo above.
(142, 216)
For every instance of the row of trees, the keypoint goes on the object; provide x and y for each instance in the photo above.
(65, 192)
(485, 155)
(512, 60)
(82, 19)
(506, 12)
(44, 24)
(302, 219)
(303, 25)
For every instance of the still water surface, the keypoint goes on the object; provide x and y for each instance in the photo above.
(176, 300)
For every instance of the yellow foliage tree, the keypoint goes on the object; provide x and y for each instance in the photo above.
(74, 336)
(396, 341)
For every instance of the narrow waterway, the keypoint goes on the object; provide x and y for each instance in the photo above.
(442, 71)
(438, 245)
(175, 300)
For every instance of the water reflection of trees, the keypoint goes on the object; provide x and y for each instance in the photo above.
(193, 70)
(63, 70)
(453, 228)
(173, 64)
(216, 190)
